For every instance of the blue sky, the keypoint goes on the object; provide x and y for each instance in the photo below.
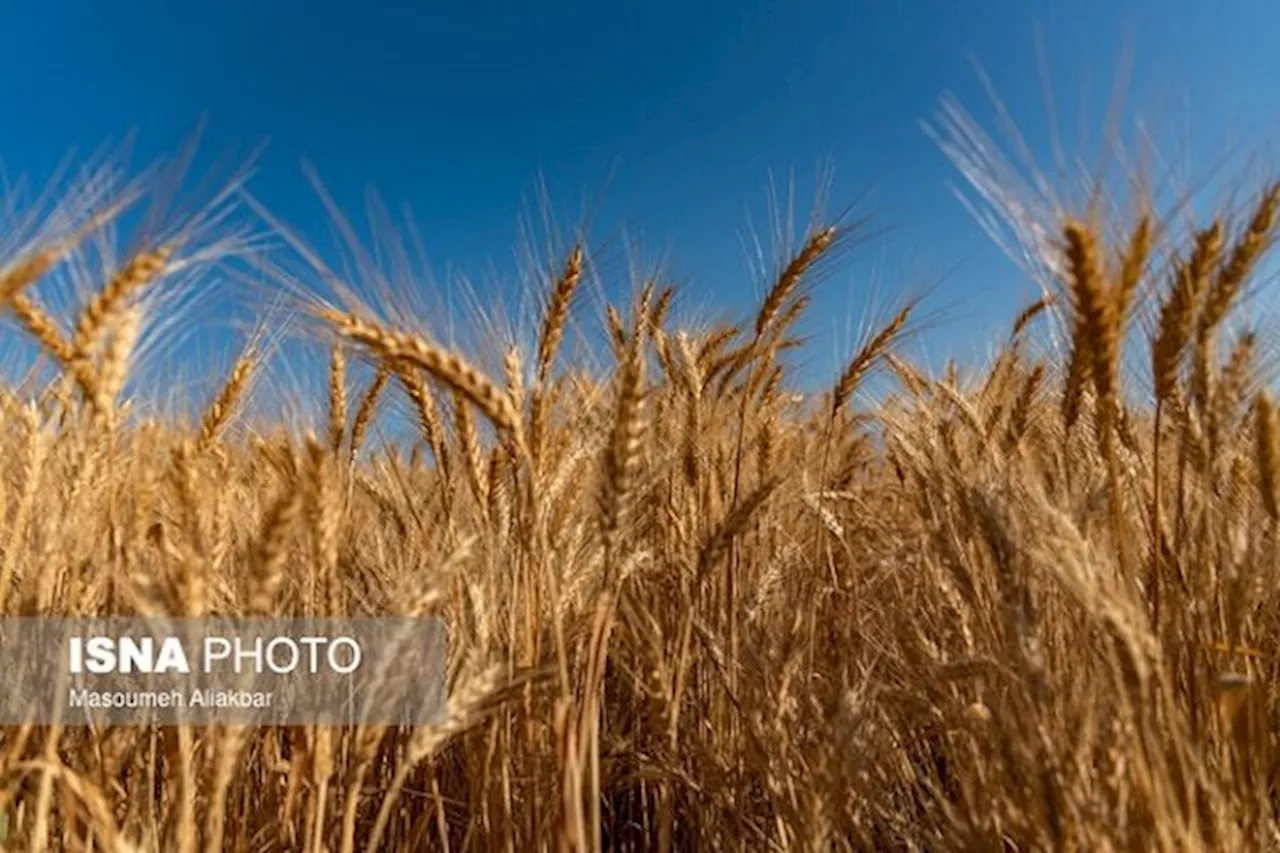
(668, 117)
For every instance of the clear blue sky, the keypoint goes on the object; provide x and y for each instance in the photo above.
(674, 113)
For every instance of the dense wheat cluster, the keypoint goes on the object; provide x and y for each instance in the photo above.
(1033, 608)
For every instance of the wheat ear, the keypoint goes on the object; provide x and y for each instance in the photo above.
(557, 316)
(446, 366)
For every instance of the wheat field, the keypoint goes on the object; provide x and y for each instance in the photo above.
(692, 606)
